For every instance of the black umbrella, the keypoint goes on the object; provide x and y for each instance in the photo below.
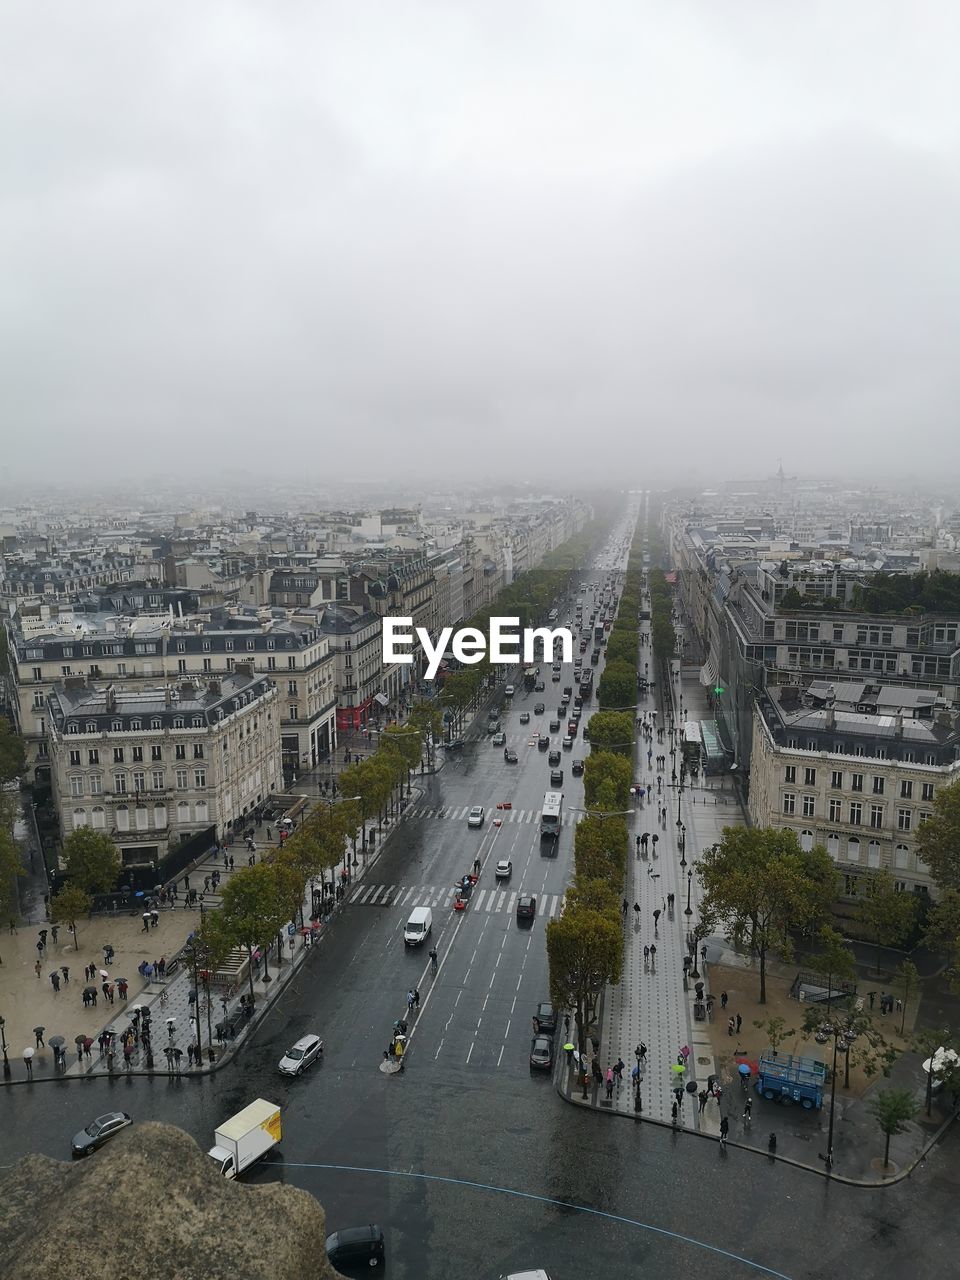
(79, 1039)
(56, 1041)
(38, 1031)
(89, 991)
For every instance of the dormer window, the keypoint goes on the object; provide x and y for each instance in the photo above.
(91, 726)
(198, 722)
(73, 727)
(117, 726)
(156, 723)
(178, 722)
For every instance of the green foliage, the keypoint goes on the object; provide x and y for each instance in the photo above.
(938, 839)
(617, 687)
(943, 932)
(937, 592)
(759, 886)
(11, 868)
(584, 951)
(254, 907)
(892, 1109)
(908, 984)
(622, 646)
(775, 1029)
(612, 731)
(68, 906)
(834, 960)
(12, 756)
(607, 767)
(886, 914)
(592, 895)
(92, 860)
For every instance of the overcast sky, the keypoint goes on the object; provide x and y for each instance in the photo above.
(503, 237)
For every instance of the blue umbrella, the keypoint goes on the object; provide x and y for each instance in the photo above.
(744, 1068)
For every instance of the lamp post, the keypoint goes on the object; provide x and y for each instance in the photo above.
(3, 1041)
(683, 844)
(688, 910)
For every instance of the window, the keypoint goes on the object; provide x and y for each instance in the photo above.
(901, 857)
(873, 853)
(853, 849)
(207, 665)
(294, 713)
(292, 662)
(93, 755)
(181, 647)
(906, 790)
(199, 777)
(271, 644)
(790, 773)
(856, 813)
(38, 701)
(198, 751)
(90, 727)
(250, 646)
(271, 664)
(789, 803)
(139, 781)
(181, 779)
(96, 784)
(117, 726)
(121, 668)
(836, 780)
(120, 784)
(182, 666)
(79, 818)
(123, 818)
(178, 722)
(206, 646)
(806, 841)
(809, 777)
(118, 755)
(157, 779)
(137, 752)
(180, 751)
(809, 806)
(856, 781)
(156, 723)
(198, 722)
(65, 671)
(76, 786)
(877, 785)
(833, 847)
(836, 810)
(74, 759)
(904, 819)
(292, 688)
(228, 645)
(926, 791)
(38, 673)
(876, 816)
(156, 752)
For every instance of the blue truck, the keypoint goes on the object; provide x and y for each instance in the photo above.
(791, 1079)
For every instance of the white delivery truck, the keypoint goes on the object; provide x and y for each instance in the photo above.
(417, 929)
(246, 1137)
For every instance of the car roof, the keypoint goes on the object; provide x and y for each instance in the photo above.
(108, 1116)
(305, 1041)
(353, 1235)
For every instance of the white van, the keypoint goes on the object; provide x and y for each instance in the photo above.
(418, 926)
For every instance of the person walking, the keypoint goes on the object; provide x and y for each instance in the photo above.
(656, 919)
(409, 1001)
(65, 971)
(724, 1130)
(748, 1110)
(55, 980)
(702, 1097)
(739, 1023)
(653, 954)
(37, 968)
(609, 1082)
(28, 1062)
(674, 1112)
(646, 956)
(416, 997)
(642, 1053)
(723, 999)
(38, 1032)
(731, 1026)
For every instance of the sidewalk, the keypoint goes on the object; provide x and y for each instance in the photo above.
(28, 1001)
(650, 1004)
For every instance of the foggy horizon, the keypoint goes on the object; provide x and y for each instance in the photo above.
(477, 244)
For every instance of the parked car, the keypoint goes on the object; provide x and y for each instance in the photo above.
(541, 1053)
(546, 1016)
(526, 906)
(476, 816)
(102, 1130)
(356, 1248)
(499, 738)
(504, 869)
(300, 1055)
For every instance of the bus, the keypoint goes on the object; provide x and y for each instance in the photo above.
(553, 616)
(692, 743)
(551, 815)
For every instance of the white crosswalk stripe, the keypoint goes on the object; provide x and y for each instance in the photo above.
(490, 900)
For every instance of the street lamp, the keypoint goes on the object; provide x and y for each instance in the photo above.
(3, 1041)
(688, 910)
(683, 844)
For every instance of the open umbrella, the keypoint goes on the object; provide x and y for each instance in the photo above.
(79, 1040)
(104, 973)
(56, 1041)
(28, 1052)
(678, 1069)
(744, 1068)
(38, 1031)
(89, 991)
(111, 1030)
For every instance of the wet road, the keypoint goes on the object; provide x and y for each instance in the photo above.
(473, 1164)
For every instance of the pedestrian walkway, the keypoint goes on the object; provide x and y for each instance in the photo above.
(490, 900)
(459, 813)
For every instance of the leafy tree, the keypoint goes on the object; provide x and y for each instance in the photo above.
(622, 646)
(68, 906)
(11, 868)
(856, 1037)
(938, 839)
(756, 883)
(428, 719)
(892, 1109)
(611, 731)
(908, 983)
(205, 951)
(92, 860)
(776, 1031)
(834, 960)
(607, 767)
(12, 756)
(585, 952)
(943, 932)
(927, 1042)
(253, 910)
(887, 914)
(617, 687)
(592, 895)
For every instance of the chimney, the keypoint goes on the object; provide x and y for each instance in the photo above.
(111, 698)
(214, 688)
(898, 724)
(244, 669)
(167, 696)
(830, 719)
(187, 690)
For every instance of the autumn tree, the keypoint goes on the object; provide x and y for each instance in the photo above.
(254, 910)
(757, 886)
(68, 906)
(585, 952)
(612, 731)
(92, 860)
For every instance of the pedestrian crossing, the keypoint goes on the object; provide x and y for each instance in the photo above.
(458, 813)
(490, 900)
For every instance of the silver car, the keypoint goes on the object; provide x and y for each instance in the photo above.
(475, 817)
(297, 1058)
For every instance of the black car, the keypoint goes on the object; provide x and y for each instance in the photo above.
(510, 756)
(539, 687)
(555, 726)
(543, 742)
(576, 768)
(526, 906)
(556, 777)
(538, 708)
(541, 1055)
(98, 1132)
(356, 1247)
(546, 1018)
(553, 757)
